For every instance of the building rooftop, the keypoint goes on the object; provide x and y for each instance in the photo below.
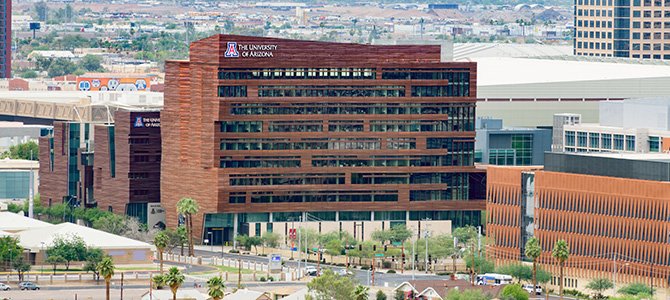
(34, 237)
(7, 163)
(12, 222)
(657, 157)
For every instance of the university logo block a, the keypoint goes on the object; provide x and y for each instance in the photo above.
(231, 50)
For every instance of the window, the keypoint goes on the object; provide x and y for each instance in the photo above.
(594, 140)
(618, 142)
(501, 157)
(630, 143)
(654, 144)
(569, 138)
(229, 91)
(581, 139)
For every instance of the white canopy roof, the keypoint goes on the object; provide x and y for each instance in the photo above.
(33, 238)
(12, 222)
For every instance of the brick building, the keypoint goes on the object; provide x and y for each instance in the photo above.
(265, 130)
(115, 166)
(613, 210)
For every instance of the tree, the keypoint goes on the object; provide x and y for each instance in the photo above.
(465, 234)
(543, 277)
(533, 252)
(330, 286)
(112, 223)
(28, 74)
(41, 10)
(188, 207)
(397, 234)
(456, 294)
(215, 288)
(61, 66)
(94, 257)
(380, 295)
(20, 266)
(599, 285)
(518, 271)
(560, 253)
(271, 239)
(106, 270)
(636, 289)
(334, 247)
(481, 264)
(514, 291)
(361, 292)
(55, 260)
(28, 151)
(174, 279)
(399, 295)
(158, 281)
(92, 63)
(9, 250)
(70, 248)
(161, 241)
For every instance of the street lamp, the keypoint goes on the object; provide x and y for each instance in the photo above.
(43, 255)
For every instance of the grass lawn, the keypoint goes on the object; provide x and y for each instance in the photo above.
(138, 268)
(230, 270)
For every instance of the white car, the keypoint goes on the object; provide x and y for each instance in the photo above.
(310, 271)
(344, 272)
(4, 287)
(529, 289)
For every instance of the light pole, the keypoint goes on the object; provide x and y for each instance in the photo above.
(425, 236)
(43, 255)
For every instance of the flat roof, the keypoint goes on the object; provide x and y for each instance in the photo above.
(534, 70)
(658, 157)
(13, 222)
(34, 237)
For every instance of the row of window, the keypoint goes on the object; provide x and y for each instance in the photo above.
(297, 73)
(607, 206)
(317, 144)
(594, 13)
(323, 196)
(456, 159)
(647, 3)
(656, 47)
(452, 124)
(430, 74)
(330, 91)
(453, 110)
(650, 36)
(449, 90)
(648, 25)
(450, 179)
(453, 193)
(600, 140)
(594, 34)
(594, 45)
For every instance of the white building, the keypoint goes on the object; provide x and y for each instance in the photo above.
(629, 126)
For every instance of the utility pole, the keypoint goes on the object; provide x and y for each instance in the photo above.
(413, 258)
(614, 279)
(372, 270)
(30, 189)
(239, 273)
(426, 233)
(299, 252)
(121, 286)
(402, 256)
(472, 268)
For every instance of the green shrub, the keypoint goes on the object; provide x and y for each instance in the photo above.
(387, 264)
(365, 267)
(234, 251)
(390, 272)
(514, 291)
(263, 279)
(380, 295)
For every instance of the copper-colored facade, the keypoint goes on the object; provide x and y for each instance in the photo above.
(264, 125)
(603, 220)
(111, 166)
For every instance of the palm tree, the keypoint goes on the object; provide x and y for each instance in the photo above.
(174, 278)
(561, 252)
(161, 241)
(106, 270)
(188, 207)
(533, 251)
(361, 292)
(215, 287)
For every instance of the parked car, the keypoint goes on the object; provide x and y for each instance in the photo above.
(27, 285)
(4, 287)
(529, 289)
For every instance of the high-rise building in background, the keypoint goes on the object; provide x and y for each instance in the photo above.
(5, 38)
(262, 131)
(622, 28)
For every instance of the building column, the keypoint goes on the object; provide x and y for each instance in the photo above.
(235, 231)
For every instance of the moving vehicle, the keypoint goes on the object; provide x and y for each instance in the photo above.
(310, 271)
(344, 272)
(27, 285)
(493, 279)
(529, 289)
(4, 287)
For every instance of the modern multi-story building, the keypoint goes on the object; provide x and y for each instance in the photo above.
(518, 146)
(264, 130)
(5, 38)
(622, 28)
(17, 178)
(113, 166)
(612, 209)
(631, 126)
